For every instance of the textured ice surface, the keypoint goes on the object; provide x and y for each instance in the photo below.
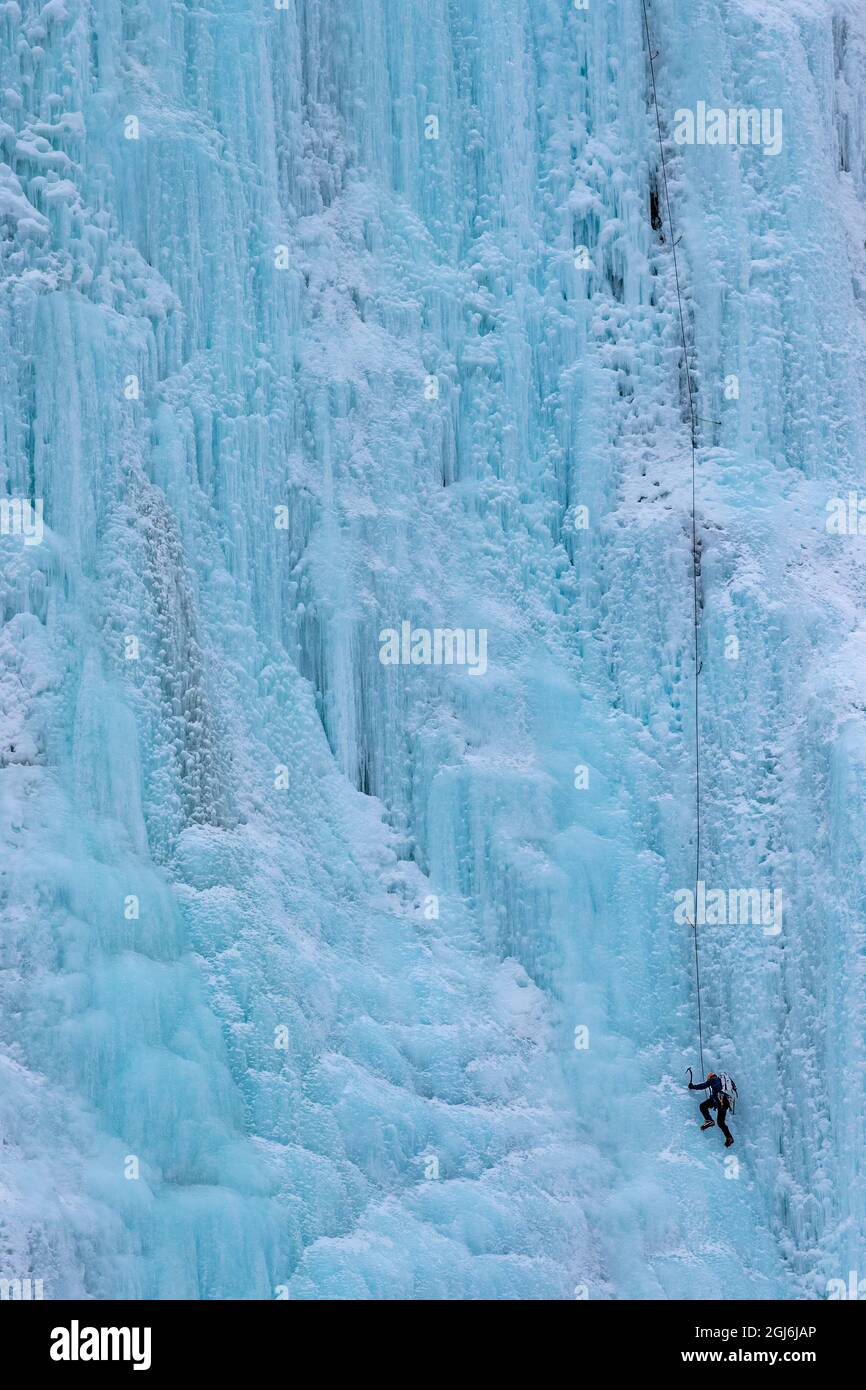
(232, 265)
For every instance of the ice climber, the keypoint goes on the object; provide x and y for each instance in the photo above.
(719, 1100)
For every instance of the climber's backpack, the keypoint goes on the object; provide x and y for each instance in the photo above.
(729, 1089)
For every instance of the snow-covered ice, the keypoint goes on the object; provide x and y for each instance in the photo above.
(322, 976)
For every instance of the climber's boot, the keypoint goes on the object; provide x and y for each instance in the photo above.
(708, 1125)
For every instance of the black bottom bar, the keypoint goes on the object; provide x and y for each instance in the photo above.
(70, 1339)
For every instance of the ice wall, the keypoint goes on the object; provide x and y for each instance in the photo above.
(295, 348)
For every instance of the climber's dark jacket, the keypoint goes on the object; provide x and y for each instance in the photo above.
(714, 1084)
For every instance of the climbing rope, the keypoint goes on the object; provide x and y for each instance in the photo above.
(693, 433)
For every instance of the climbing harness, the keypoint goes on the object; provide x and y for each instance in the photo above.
(693, 419)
